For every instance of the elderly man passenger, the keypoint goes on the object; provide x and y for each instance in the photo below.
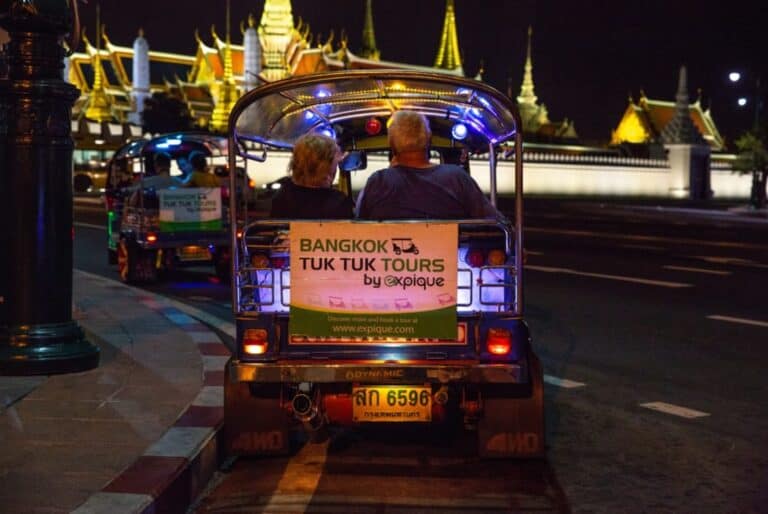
(413, 187)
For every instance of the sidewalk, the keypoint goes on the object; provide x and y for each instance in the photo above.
(137, 434)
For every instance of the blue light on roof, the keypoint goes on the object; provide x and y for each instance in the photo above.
(168, 143)
(309, 115)
(328, 131)
(459, 131)
(322, 93)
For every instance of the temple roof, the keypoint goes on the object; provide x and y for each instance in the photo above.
(680, 129)
(645, 120)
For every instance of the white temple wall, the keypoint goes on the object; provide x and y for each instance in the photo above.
(608, 176)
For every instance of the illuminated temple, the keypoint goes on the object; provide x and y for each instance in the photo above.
(116, 80)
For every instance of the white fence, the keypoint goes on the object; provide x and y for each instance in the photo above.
(557, 174)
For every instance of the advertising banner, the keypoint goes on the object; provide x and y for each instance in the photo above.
(188, 209)
(359, 280)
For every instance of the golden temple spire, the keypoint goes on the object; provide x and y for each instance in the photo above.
(227, 90)
(448, 56)
(527, 96)
(369, 50)
(98, 102)
(276, 31)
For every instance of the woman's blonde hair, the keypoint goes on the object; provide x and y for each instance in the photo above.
(314, 160)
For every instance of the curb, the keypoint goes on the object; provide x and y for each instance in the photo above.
(172, 472)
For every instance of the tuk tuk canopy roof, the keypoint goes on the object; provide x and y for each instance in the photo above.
(175, 144)
(341, 104)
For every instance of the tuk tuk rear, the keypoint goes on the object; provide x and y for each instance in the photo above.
(157, 226)
(352, 322)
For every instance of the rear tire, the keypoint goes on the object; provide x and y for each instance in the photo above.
(134, 264)
(82, 183)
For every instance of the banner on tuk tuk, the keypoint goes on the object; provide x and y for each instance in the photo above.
(190, 209)
(390, 280)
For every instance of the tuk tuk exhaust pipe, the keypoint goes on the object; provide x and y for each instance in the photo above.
(307, 411)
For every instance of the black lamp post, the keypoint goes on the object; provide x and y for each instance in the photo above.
(37, 333)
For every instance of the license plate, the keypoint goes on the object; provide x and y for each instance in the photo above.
(194, 253)
(392, 403)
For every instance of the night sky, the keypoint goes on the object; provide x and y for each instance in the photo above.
(587, 56)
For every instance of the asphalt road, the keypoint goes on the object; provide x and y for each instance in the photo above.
(652, 327)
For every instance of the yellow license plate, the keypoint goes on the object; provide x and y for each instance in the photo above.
(194, 253)
(392, 403)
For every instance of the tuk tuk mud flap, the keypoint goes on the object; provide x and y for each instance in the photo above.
(253, 425)
(514, 427)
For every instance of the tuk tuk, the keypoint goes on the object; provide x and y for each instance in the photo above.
(356, 322)
(152, 229)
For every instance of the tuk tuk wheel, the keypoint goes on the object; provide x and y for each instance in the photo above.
(135, 264)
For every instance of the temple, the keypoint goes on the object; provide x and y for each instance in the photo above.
(536, 122)
(644, 122)
(115, 81)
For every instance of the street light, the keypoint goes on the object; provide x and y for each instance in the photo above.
(735, 77)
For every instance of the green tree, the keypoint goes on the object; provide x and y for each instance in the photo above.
(753, 158)
(164, 113)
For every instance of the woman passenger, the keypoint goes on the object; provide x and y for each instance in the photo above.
(309, 194)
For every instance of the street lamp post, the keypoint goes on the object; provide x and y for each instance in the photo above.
(37, 333)
(756, 192)
(736, 77)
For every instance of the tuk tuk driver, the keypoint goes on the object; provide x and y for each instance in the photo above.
(413, 187)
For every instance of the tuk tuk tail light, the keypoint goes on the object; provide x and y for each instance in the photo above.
(496, 258)
(151, 237)
(475, 258)
(259, 261)
(255, 341)
(252, 183)
(499, 341)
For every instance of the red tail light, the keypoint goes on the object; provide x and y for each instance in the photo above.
(474, 258)
(252, 183)
(255, 341)
(499, 341)
(151, 238)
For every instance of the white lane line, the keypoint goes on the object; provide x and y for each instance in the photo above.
(562, 382)
(89, 225)
(697, 270)
(743, 321)
(644, 247)
(645, 281)
(657, 239)
(675, 410)
(730, 260)
(300, 477)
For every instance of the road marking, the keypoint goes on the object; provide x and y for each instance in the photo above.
(675, 410)
(299, 474)
(743, 321)
(562, 382)
(657, 239)
(89, 225)
(644, 247)
(697, 270)
(730, 260)
(660, 283)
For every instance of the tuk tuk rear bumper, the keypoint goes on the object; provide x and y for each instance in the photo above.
(369, 373)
